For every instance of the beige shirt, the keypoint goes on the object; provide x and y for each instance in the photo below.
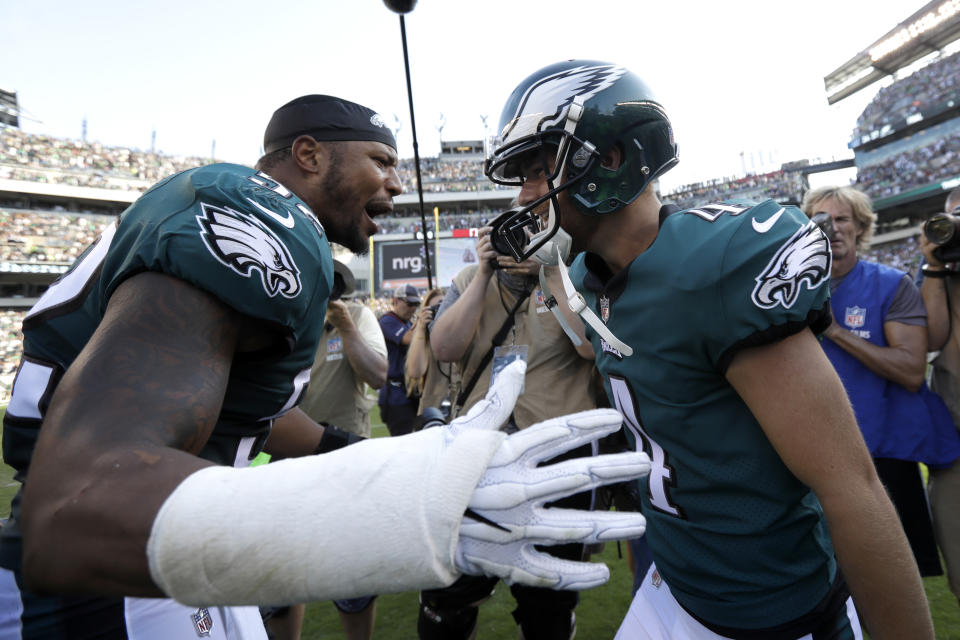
(335, 395)
(945, 380)
(558, 381)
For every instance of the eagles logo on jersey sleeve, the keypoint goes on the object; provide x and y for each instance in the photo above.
(246, 245)
(233, 232)
(773, 279)
(803, 261)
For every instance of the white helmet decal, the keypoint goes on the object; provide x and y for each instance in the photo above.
(549, 97)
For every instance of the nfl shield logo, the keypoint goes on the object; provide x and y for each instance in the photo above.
(604, 309)
(855, 317)
(202, 621)
(541, 299)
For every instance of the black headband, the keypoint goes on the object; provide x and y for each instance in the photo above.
(325, 118)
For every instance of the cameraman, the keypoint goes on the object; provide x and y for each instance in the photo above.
(940, 288)
(559, 380)
(878, 343)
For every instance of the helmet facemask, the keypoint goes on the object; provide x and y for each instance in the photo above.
(522, 231)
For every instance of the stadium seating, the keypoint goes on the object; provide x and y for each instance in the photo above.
(919, 92)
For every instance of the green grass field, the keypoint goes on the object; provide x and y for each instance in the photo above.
(598, 615)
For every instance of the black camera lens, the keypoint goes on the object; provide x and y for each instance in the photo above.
(941, 228)
(825, 221)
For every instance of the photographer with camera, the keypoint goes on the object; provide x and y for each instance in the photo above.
(877, 343)
(352, 355)
(495, 312)
(940, 287)
(433, 382)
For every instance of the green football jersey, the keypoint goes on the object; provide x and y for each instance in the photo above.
(739, 539)
(228, 230)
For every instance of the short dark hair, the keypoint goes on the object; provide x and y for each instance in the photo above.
(271, 160)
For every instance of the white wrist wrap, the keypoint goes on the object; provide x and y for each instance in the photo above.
(380, 516)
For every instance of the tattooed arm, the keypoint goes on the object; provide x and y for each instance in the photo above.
(122, 432)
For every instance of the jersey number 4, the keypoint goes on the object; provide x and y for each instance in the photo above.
(662, 476)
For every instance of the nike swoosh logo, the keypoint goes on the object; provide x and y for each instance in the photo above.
(287, 221)
(766, 225)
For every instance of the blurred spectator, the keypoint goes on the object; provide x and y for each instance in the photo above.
(398, 410)
(352, 355)
(940, 287)
(433, 381)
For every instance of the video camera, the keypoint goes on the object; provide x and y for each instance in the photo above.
(943, 230)
(823, 220)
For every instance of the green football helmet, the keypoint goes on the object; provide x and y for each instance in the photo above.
(566, 116)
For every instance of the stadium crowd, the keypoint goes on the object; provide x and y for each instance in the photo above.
(36, 236)
(35, 157)
(917, 167)
(41, 158)
(934, 83)
(782, 186)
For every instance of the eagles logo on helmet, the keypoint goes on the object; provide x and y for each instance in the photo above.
(565, 116)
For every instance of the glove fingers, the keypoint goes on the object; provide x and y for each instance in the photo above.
(536, 568)
(555, 481)
(553, 437)
(491, 412)
(560, 526)
(607, 525)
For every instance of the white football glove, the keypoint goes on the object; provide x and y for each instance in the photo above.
(506, 517)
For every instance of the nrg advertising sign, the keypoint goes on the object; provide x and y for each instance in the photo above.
(403, 262)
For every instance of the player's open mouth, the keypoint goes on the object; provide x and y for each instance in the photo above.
(375, 210)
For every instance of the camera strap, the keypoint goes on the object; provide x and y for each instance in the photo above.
(498, 339)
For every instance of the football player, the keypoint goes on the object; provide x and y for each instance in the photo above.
(763, 504)
(178, 346)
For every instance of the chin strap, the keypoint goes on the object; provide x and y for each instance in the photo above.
(551, 303)
(578, 305)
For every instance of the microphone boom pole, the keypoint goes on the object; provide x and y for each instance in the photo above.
(416, 152)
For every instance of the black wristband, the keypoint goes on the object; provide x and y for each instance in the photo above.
(335, 438)
(935, 273)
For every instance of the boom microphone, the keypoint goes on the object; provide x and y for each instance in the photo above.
(400, 6)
